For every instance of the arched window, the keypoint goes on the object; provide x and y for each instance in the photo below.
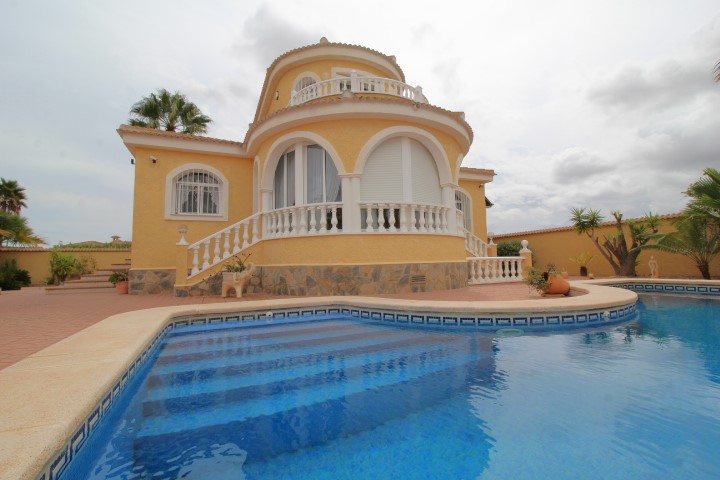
(317, 172)
(196, 192)
(303, 83)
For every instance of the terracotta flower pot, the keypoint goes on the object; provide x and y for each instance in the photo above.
(557, 285)
(122, 287)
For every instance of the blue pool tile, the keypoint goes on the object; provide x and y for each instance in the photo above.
(485, 321)
(520, 321)
(553, 320)
(467, 321)
(503, 322)
(450, 321)
(537, 320)
(417, 319)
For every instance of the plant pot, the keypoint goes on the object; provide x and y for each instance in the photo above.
(557, 285)
(122, 287)
(583, 271)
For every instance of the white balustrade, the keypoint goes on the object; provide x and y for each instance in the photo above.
(494, 270)
(403, 218)
(355, 84)
(475, 245)
(311, 219)
(215, 248)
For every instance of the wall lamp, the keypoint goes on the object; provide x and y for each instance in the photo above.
(154, 159)
(132, 161)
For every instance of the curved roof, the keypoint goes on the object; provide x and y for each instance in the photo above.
(322, 44)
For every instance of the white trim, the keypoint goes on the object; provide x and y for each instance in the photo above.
(426, 139)
(470, 213)
(193, 144)
(170, 185)
(476, 176)
(256, 185)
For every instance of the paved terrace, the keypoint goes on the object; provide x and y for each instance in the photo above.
(31, 321)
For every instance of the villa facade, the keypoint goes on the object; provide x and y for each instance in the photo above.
(348, 181)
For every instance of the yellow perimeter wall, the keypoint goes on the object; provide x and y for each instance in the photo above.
(37, 260)
(558, 245)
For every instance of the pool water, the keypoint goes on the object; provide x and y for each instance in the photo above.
(350, 399)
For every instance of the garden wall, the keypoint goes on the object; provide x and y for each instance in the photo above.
(558, 245)
(37, 260)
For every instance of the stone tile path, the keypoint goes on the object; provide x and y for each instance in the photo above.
(31, 320)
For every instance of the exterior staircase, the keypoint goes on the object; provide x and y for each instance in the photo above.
(92, 283)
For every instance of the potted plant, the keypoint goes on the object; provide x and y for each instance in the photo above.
(582, 261)
(237, 274)
(547, 282)
(119, 278)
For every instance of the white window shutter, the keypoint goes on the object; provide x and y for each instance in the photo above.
(382, 177)
(425, 178)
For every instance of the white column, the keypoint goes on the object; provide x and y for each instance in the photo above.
(267, 205)
(448, 200)
(351, 202)
(299, 175)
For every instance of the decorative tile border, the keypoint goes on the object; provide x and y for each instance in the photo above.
(648, 287)
(489, 323)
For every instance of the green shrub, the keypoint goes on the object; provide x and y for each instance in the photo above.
(12, 277)
(62, 265)
(509, 249)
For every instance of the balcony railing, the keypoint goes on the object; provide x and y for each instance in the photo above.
(403, 218)
(355, 84)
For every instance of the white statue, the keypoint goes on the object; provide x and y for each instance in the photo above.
(654, 269)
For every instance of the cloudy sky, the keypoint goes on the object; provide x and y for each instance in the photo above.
(608, 105)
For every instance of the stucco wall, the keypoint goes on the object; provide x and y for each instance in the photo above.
(558, 245)
(37, 260)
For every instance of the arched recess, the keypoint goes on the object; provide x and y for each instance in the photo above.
(282, 144)
(171, 193)
(426, 139)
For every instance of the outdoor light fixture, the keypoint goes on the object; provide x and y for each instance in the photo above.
(277, 94)
(154, 159)
(132, 161)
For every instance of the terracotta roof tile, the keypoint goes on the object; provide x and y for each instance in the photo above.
(182, 136)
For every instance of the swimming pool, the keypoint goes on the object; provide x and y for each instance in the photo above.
(355, 399)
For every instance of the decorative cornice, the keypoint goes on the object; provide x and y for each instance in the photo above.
(479, 174)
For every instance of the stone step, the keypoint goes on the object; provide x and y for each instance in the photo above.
(94, 277)
(69, 288)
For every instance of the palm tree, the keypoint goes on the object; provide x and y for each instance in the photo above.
(717, 72)
(705, 197)
(169, 111)
(614, 247)
(14, 229)
(12, 196)
(696, 238)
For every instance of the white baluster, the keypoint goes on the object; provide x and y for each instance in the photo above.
(196, 261)
(206, 254)
(423, 218)
(236, 240)
(414, 213)
(246, 235)
(286, 223)
(368, 218)
(403, 218)
(255, 230)
(313, 224)
(226, 244)
(381, 218)
(302, 220)
(294, 221)
(446, 220)
(216, 251)
(323, 219)
(333, 219)
(391, 219)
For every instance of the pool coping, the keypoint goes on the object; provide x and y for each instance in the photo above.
(48, 400)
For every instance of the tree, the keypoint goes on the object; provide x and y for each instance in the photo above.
(12, 196)
(717, 72)
(705, 197)
(614, 247)
(169, 111)
(14, 229)
(696, 238)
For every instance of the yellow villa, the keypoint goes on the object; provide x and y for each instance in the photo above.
(348, 181)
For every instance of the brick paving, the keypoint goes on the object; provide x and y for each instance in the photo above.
(31, 320)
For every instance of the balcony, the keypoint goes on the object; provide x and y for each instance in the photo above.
(357, 84)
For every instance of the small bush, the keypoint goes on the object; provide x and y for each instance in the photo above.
(62, 265)
(12, 277)
(509, 249)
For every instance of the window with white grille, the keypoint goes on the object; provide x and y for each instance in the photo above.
(196, 192)
(303, 83)
(463, 203)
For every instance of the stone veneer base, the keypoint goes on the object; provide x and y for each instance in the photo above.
(150, 282)
(311, 280)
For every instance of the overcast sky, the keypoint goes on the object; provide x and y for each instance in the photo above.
(609, 105)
